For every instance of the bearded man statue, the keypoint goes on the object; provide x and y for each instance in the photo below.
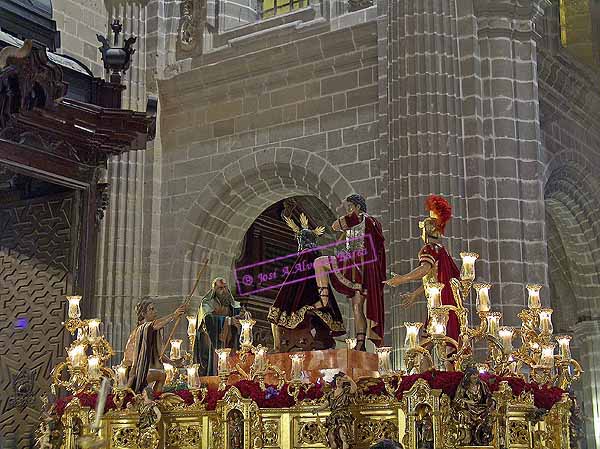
(216, 326)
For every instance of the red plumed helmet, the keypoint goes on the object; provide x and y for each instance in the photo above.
(441, 208)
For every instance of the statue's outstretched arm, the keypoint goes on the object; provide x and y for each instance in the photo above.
(416, 274)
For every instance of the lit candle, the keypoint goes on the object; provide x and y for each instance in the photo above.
(77, 355)
(434, 293)
(169, 373)
(74, 310)
(93, 328)
(494, 324)
(483, 296)
(175, 350)
(383, 360)
(506, 334)
(439, 320)
(467, 271)
(547, 359)
(93, 367)
(412, 331)
(351, 343)
(223, 354)
(564, 342)
(192, 376)
(534, 296)
(546, 321)
(122, 376)
(246, 334)
(259, 364)
(297, 359)
(192, 320)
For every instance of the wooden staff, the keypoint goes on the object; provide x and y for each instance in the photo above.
(186, 302)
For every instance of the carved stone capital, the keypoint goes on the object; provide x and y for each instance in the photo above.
(509, 16)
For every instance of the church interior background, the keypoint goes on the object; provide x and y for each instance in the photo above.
(231, 112)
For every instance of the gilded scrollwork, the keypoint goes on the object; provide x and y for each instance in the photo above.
(312, 432)
(125, 437)
(184, 436)
(518, 433)
(369, 431)
(271, 433)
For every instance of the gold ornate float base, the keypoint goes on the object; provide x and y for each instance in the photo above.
(423, 419)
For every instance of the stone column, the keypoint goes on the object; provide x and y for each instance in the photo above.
(463, 122)
(587, 348)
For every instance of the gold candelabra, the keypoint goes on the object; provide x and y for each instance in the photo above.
(527, 351)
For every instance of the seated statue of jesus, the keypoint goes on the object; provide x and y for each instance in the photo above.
(142, 351)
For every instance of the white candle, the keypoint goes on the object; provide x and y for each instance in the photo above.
(467, 271)
(223, 354)
(93, 367)
(77, 355)
(192, 376)
(483, 296)
(246, 333)
(351, 343)
(412, 332)
(175, 350)
(383, 360)
(434, 293)
(506, 334)
(564, 346)
(192, 321)
(122, 376)
(494, 324)
(93, 329)
(547, 359)
(169, 373)
(546, 321)
(74, 310)
(297, 360)
(534, 296)
(260, 364)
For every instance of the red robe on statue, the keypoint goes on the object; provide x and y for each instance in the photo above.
(363, 271)
(443, 270)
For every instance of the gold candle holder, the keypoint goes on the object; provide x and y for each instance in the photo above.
(121, 372)
(467, 271)
(223, 355)
(169, 373)
(175, 353)
(483, 296)
(434, 295)
(383, 360)
(412, 333)
(534, 301)
(546, 327)
(259, 365)
(77, 356)
(564, 347)
(439, 321)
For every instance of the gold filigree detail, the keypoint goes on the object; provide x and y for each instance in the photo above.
(291, 321)
(125, 437)
(271, 433)
(179, 436)
(518, 433)
(312, 433)
(369, 431)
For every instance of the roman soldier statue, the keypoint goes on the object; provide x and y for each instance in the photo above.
(358, 271)
(435, 264)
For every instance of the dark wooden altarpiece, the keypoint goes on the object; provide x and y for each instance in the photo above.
(48, 243)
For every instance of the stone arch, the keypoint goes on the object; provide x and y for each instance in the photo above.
(571, 198)
(217, 220)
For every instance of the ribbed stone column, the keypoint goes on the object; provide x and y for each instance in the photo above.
(463, 122)
(120, 242)
(587, 335)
